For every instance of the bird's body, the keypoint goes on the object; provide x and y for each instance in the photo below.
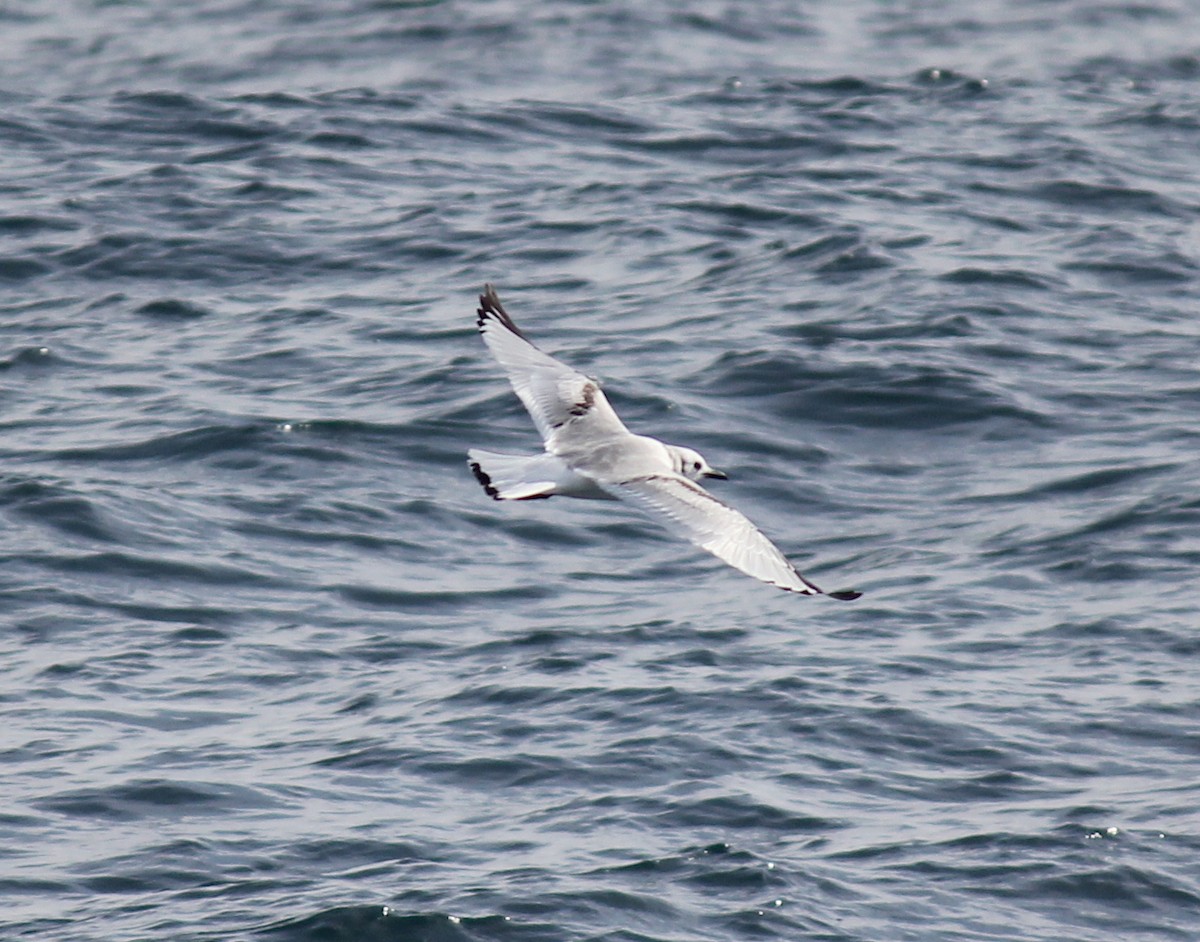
(590, 454)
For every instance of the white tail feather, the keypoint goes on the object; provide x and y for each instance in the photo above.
(515, 477)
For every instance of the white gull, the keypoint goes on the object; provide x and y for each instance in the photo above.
(589, 453)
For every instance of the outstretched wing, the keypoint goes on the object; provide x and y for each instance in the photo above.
(688, 509)
(562, 401)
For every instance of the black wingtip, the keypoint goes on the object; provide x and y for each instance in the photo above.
(489, 301)
(491, 308)
(844, 595)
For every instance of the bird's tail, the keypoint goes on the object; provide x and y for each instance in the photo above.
(514, 477)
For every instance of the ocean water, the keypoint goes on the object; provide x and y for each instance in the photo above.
(924, 279)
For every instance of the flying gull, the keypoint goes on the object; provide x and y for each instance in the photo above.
(590, 454)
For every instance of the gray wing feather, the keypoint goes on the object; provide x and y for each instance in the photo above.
(560, 400)
(686, 507)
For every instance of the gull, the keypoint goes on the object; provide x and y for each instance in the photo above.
(590, 454)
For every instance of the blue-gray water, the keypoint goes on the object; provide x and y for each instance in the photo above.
(922, 278)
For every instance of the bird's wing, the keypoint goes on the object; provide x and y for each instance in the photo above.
(562, 401)
(686, 508)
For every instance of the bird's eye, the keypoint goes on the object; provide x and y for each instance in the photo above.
(696, 465)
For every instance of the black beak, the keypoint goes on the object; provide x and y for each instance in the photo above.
(714, 473)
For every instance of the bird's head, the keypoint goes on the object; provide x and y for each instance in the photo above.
(691, 464)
